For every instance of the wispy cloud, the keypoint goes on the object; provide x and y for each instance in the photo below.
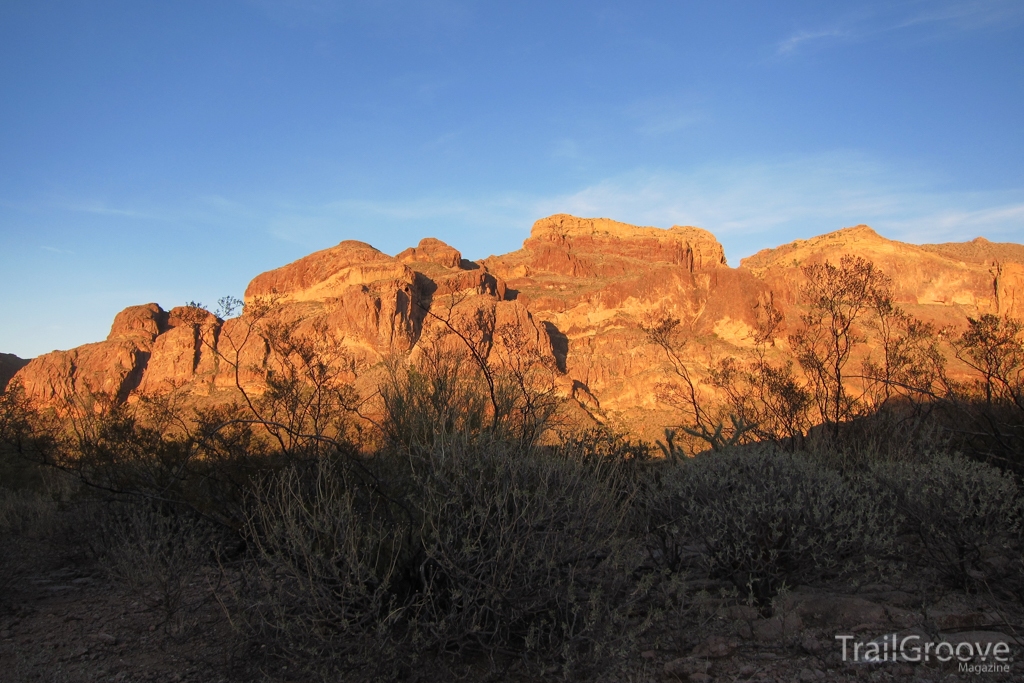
(1000, 223)
(55, 250)
(565, 148)
(928, 19)
(749, 206)
(963, 15)
(102, 209)
(797, 39)
(477, 225)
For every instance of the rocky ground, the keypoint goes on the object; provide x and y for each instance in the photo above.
(799, 642)
(63, 619)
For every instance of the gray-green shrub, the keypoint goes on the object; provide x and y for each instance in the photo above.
(958, 510)
(470, 547)
(158, 551)
(523, 549)
(762, 519)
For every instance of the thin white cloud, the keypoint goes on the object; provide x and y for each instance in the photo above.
(475, 225)
(670, 124)
(998, 223)
(663, 116)
(797, 39)
(756, 205)
(102, 209)
(422, 13)
(929, 19)
(747, 205)
(566, 148)
(55, 250)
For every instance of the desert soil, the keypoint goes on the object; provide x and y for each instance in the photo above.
(63, 620)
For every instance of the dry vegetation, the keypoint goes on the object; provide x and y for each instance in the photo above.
(279, 539)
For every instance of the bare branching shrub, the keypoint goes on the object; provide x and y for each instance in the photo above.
(498, 363)
(158, 552)
(704, 423)
(324, 590)
(909, 368)
(993, 347)
(308, 405)
(837, 297)
(764, 519)
(959, 511)
(434, 403)
(483, 549)
(766, 394)
(24, 515)
(987, 412)
(203, 461)
(27, 440)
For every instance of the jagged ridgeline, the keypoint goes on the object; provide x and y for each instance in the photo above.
(638, 327)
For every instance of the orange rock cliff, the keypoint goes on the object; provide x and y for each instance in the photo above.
(576, 293)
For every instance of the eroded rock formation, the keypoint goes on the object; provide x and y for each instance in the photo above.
(577, 293)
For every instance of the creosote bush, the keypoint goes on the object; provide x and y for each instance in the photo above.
(522, 549)
(323, 587)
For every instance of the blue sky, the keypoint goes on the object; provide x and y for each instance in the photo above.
(167, 152)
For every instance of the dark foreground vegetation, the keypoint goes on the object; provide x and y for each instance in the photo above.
(465, 535)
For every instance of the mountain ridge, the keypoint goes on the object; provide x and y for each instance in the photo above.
(577, 293)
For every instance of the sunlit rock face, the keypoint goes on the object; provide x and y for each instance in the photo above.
(577, 295)
(942, 281)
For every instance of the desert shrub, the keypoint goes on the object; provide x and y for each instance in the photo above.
(524, 551)
(892, 434)
(25, 438)
(206, 461)
(605, 444)
(761, 519)
(322, 589)
(158, 552)
(428, 405)
(468, 548)
(24, 514)
(959, 512)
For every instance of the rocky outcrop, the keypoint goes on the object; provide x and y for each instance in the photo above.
(593, 282)
(141, 324)
(431, 250)
(111, 369)
(365, 304)
(940, 282)
(577, 294)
